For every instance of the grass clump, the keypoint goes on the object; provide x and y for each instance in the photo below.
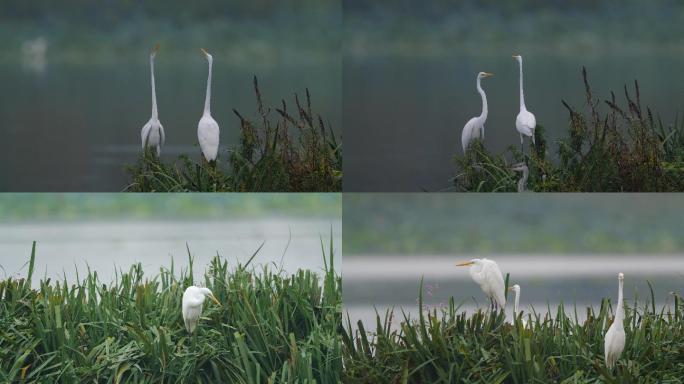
(611, 149)
(294, 152)
(447, 346)
(271, 327)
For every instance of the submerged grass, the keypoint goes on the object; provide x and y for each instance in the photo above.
(614, 149)
(270, 327)
(447, 346)
(269, 157)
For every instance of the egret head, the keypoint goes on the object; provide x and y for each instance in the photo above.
(518, 58)
(468, 263)
(154, 51)
(621, 276)
(483, 75)
(515, 288)
(207, 293)
(206, 54)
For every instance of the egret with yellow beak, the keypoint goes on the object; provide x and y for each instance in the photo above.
(193, 298)
(487, 274)
(474, 128)
(152, 133)
(525, 122)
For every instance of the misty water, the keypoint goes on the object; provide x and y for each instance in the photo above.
(73, 126)
(404, 113)
(389, 282)
(106, 246)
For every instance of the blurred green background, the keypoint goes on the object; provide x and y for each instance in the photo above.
(32, 207)
(513, 223)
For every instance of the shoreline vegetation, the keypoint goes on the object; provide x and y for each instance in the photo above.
(268, 158)
(270, 326)
(446, 346)
(610, 147)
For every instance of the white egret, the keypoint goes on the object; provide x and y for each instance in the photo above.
(614, 341)
(193, 298)
(487, 274)
(525, 123)
(474, 128)
(208, 129)
(522, 182)
(516, 288)
(152, 133)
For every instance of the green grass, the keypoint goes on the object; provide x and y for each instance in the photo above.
(608, 148)
(294, 152)
(271, 327)
(446, 346)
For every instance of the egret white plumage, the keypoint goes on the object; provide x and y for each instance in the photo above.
(474, 128)
(487, 274)
(152, 133)
(208, 129)
(525, 123)
(193, 298)
(614, 341)
(516, 288)
(522, 182)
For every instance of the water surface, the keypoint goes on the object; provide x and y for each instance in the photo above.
(74, 126)
(387, 282)
(107, 245)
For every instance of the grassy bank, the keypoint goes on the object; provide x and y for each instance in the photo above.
(270, 327)
(611, 146)
(446, 346)
(280, 150)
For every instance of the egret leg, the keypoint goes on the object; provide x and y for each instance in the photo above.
(522, 145)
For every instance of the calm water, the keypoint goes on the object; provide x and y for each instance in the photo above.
(106, 245)
(74, 127)
(403, 116)
(393, 282)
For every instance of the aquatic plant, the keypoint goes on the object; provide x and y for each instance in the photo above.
(611, 149)
(448, 346)
(270, 327)
(269, 157)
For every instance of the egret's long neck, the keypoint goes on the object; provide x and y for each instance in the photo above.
(522, 94)
(207, 101)
(154, 92)
(517, 301)
(483, 115)
(619, 312)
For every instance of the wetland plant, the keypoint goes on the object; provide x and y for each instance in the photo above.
(445, 345)
(280, 150)
(271, 327)
(609, 148)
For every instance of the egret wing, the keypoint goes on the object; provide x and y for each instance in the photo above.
(495, 283)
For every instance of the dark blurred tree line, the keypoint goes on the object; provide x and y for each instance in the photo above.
(109, 12)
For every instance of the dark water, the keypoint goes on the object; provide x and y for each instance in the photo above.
(74, 127)
(403, 116)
